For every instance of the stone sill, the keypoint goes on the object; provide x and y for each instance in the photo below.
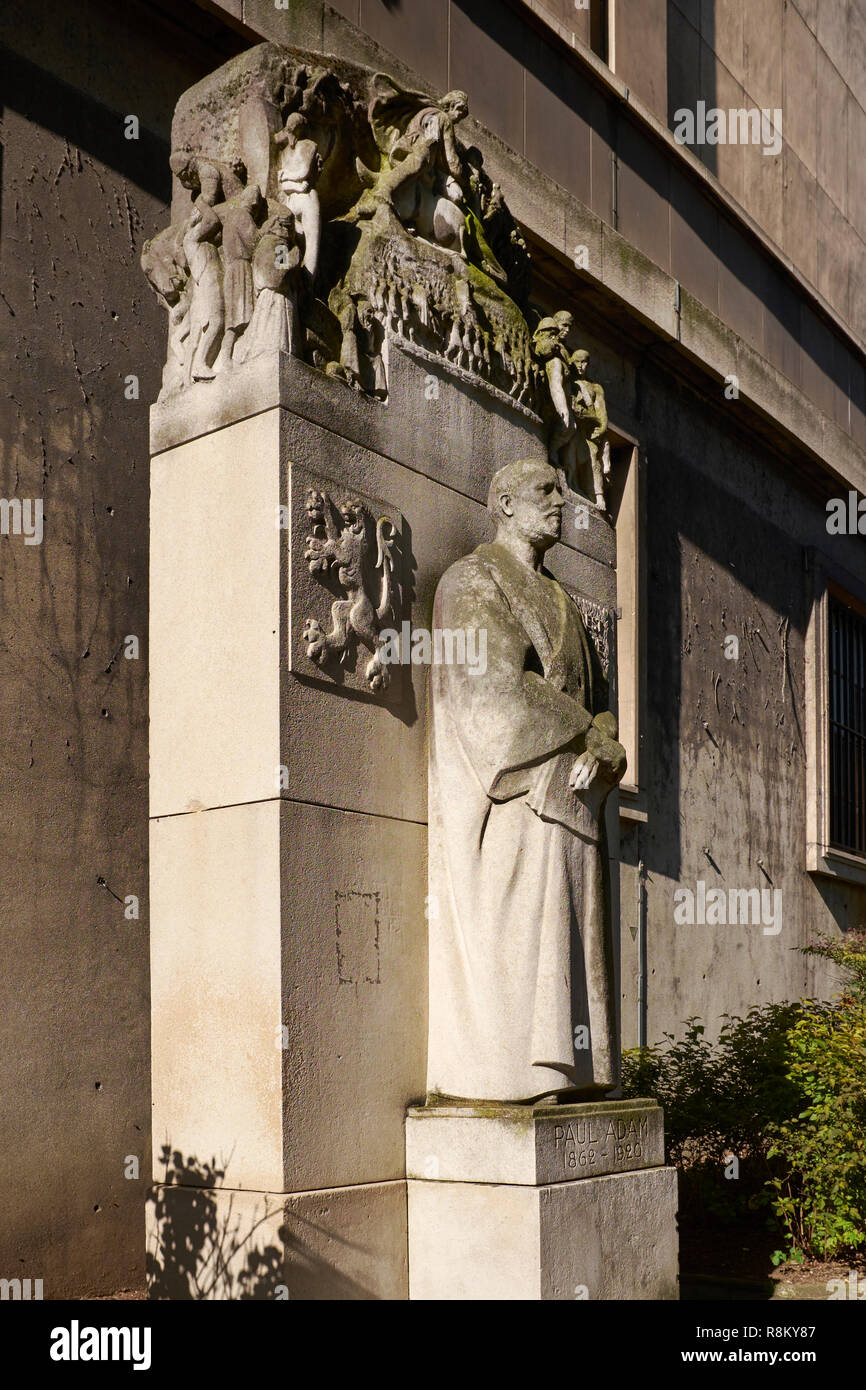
(827, 862)
(632, 804)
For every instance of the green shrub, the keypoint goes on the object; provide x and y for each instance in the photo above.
(819, 1197)
(784, 1092)
(849, 953)
(718, 1099)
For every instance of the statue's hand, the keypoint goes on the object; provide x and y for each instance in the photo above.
(583, 772)
(602, 744)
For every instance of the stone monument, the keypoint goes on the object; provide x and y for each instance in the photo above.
(522, 1034)
(353, 356)
(521, 962)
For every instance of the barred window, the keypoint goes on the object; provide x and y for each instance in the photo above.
(847, 710)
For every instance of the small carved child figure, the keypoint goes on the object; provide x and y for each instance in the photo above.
(590, 411)
(240, 230)
(200, 236)
(275, 324)
(577, 414)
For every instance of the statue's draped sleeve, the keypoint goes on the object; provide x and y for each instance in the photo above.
(508, 718)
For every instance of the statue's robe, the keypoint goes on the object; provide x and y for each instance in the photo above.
(521, 967)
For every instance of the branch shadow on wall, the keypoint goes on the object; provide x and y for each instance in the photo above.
(207, 1242)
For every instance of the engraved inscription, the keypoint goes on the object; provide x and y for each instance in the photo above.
(595, 1141)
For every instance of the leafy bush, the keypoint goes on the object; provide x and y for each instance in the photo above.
(783, 1092)
(849, 953)
(819, 1197)
(718, 1100)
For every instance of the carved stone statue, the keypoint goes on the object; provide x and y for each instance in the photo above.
(299, 169)
(577, 412)
(240, 232)
(399, 232)
(521, 761)
(201, 233)
(164, 263)
(422, 170)
(590, 409)
(275, 323)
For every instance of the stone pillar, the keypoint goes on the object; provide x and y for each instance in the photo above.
(288, 835)
(543, 1202)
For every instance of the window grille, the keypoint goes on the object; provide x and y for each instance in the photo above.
(847, 700)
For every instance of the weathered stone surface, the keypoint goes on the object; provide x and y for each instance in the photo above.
(607, 1238)
(533, 1145)
(349, 583)
(215, 619)
(288, 968)
(458, 439)
(387, 225)
(226, 712)
(336, 1244)
(523, 754)
(323, 211)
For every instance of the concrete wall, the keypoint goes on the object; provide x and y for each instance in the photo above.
(809, 60)
(727, 531)
(547, 102)
(806, 58)
(77, 201)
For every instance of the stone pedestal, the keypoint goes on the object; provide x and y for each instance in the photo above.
(544, 1202)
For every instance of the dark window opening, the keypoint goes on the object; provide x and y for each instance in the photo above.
(598, 29)
(847, 698)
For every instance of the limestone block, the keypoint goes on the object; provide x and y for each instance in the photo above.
(288, 977)
(437, 422)
(216, 990)
(337, 1244)
(533, 1145)
(215, 628)
(604, 1238)
(234, 698)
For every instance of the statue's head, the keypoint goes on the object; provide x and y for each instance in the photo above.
(456, 104)
(550, 334)
(526, 501)
(581, 361)
(200, 176)
(547, 338)
(209, 182)
(294, 128)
